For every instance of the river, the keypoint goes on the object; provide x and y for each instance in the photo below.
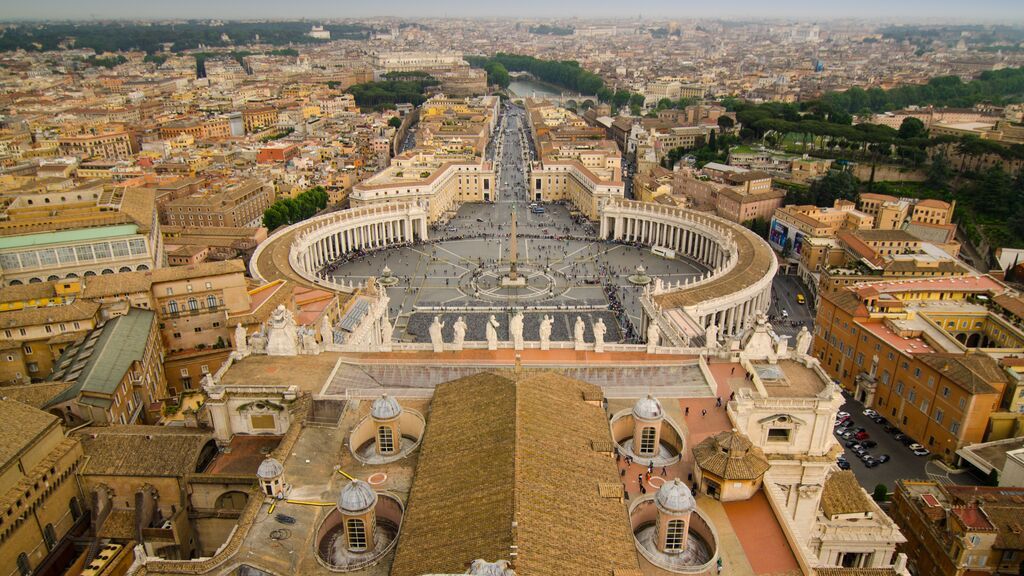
(526, 88)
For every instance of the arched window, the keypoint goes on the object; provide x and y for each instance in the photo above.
(49, 536)
(647, 440)
(172, 307)
(674, 535)
(193, 304)
(211, 301)
(356, 532)
(385, 439)
(24, 568)
(75, 505)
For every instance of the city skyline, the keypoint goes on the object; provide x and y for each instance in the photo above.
(983, 11)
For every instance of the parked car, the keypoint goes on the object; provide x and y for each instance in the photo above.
(871, 463)
(890, 429)
(868, 443)
(880, 420)
(843, 464)
(918, 449)
(862, 435)
(904, 439)
(870, 413)
(852, 443)
(859, 450)
(866, 456)
(848, 434)
(883, 458)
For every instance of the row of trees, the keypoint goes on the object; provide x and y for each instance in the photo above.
(387, 93)
(123, 36)
(565, 73)
(287, 211)
(995, 86)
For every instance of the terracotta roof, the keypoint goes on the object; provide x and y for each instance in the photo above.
(35, 395)
(142, 450)
(842, 494)
(1002, 505)
(530, 461)
(77, 310)
(975, 373)
(22, 426)
(200, 270)
(113, 284)
(730, 456)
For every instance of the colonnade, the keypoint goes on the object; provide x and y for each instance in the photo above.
(711, 241)
(358, 235)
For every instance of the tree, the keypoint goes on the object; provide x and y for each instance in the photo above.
(881, 493)
(726, 123)
(912, 128)
(939, 173)
(712, 140)
(395, 122)
(836, 185)
(636, 99)
(620, 98)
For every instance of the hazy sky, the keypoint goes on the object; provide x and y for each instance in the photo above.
(1008, 11)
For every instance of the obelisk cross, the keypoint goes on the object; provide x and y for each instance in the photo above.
(512, 249)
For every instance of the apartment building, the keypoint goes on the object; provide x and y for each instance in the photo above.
(231, 204)
(115, 374)
(795, 223)
(891, 213)
(39, 495)
(86, 231)
(920, 352)
(257, 118)
(959, 530)
(109, 144)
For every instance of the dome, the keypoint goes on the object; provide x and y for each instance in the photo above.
(269, 469)
(385, 408)
(675, 498)
(648, 408)
(356, 496)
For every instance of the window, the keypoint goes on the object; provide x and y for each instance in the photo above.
(170, 291)
(184, 372)
(193, 305)
(24, 568)
(954, 427)
(778, 434)
(172, 307)
(917, 372)
(939, 415)
(963, 403)
(913, 396)
(356, 532)
(28, 349)
(945, 391)
(899, 387)
(674, 534)
(211, 301)
(647, 440)
(49, 536)
(385, 439)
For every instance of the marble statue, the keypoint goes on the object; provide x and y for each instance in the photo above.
(599, 330)
(515, 330)
(577, 333)
(307, 339)
(240, 344)
(326, 330)
(711, 336)
(492, 333)
(803, 342)
(282, 333)
(435, 334)
(386, 331)
(258, 343)
(545, 332)
(460, 334)
(483, 568)
(653, 337)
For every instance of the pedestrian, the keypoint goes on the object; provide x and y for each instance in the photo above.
(664, 472)
(643, 490)
(687, 411)
(733, 370)
(732, 395)
(647, 476)
(718, 402)
(640, 479)
(704, 412)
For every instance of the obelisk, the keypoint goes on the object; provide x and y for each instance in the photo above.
(513, 250)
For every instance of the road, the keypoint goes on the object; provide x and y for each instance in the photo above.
(785, 287)
(903, 464)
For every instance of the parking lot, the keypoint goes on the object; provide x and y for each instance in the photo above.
(903, 464)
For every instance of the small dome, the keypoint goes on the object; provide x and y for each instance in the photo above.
(675, 498)
(648, 408)
(356, 496)
(269, 469)
(385, 408)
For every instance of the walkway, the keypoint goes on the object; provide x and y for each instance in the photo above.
(760, 533)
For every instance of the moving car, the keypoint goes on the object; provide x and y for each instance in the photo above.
(883, 459)
(800, 299)
(870, 413)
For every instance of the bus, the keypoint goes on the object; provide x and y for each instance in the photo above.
(663, 252)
